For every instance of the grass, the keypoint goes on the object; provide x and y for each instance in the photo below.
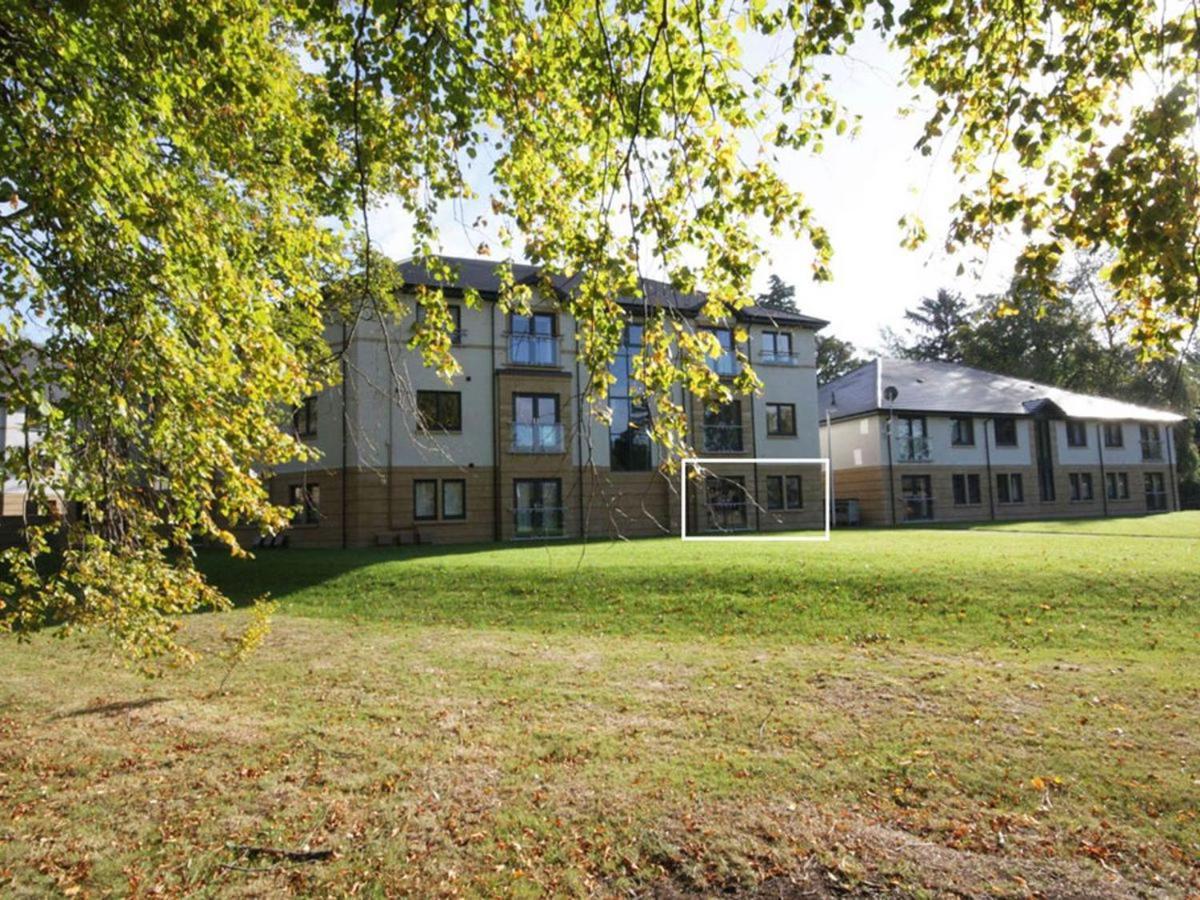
(907, 712)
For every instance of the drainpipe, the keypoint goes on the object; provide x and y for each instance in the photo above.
(495, 435)
(891, 470)
(987, 455)
(754, 465)
(1103, 480)
(345, 436)
(579, 439)
(1169, 433)
(829, 455)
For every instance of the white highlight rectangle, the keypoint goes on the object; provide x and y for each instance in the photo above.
(702, 461)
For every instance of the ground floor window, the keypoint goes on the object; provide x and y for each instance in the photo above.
(966, 490)
(917, 493)
(454, 499)
(537, 507)
(784, 492)
(1081, 486)
(1118, 485)
(725, 502)
(425, 500)
(1010, 487)
(1156, 491)
(306, 500)
(426, 496)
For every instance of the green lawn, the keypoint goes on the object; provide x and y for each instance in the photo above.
(904, 712)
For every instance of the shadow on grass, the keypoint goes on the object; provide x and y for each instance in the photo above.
(110, 709)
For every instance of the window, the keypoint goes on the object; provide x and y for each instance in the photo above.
(784, 492)
(781, 419)
(628, 435)
(306, 498)
(536, 426)
(454, 499)
(912, 444)
(532, 340)
(440, 410)
(1114, 434)
(725, 502)
(304, 418)
(1006, 431)
(962, 431)
(1151, 442)
(1010, 488)
(777, 348)
(917, 493)
(1076, 434)
(537, 507)
(424, 500)
(1156, 491)
(723, 428)
(1081, 486)
(966, 490)
(1118, 485)
(726, 362)
(456, 332)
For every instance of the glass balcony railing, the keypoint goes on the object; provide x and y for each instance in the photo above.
(529, 437)
(778, 358)
(533, 349)
(912, 449)
(723, 438)
(538, 521)
(725, 365)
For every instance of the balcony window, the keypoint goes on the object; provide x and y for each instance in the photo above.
(912, 442)
(629, 433)
(1156, 491)
(537, 507)
(1151, 442)
(723, 428)
(1076, 434)
(725, 502)
(917, 493)
(1114, 434)
(725, 364)
(1006, 431)
(532, 340)
(536, 426)
(781, 419)
(777, 348)
(962, 431)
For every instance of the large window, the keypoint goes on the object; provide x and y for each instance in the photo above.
(912, 441)
(784, 492)
(629, 434)
(306, 499)
(537, 507)
(440, 410)
(1010, 487)
(532, 340)
(454, 498)
(917, 494)
(1076, 434)
(1114, 434)
(425, 505)
(726, 363)
(1081, 486)
(536, 426)
(781, 419)
(962, 431)
(1006, 431)
(304, 418)
(723, 428)
(1117, 484)
(1151, 442)
(1156, 491)
(777, 348)
(456, 333)
(725, 502)
(966, 490)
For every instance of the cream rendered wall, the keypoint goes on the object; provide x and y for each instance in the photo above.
(1020, 455)
(856, 442)
(788, 384)
(1080, 456)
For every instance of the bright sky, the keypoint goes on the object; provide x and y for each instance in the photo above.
(859, 189)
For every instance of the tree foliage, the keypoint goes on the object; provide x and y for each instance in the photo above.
(779, 295)
(835, 358)
(180, 178)
(936, 329)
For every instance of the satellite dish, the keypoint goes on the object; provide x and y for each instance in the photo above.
(890, 394)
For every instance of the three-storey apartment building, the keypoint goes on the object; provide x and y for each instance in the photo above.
(509, 450)
(936, 442)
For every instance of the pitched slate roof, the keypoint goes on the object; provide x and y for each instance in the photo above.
(938, 387)
(480, 274)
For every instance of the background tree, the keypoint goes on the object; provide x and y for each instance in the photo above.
(779, 295)
(835, 358)
(936, 329)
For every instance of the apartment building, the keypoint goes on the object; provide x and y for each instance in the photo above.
(936, 442)
(509, 451)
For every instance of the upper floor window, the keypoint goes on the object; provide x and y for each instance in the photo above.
(1114, 434)
(629, 432)
(536, 425)
(723, 428)
(726, 362)
(1151, 442)
(777, 348)
(456, 330)
(962, 431)
(440, 410)
(781, 419)
(304, 418)
(1006, 431)
(1076, 433)
(912, 442)
(532, 340)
